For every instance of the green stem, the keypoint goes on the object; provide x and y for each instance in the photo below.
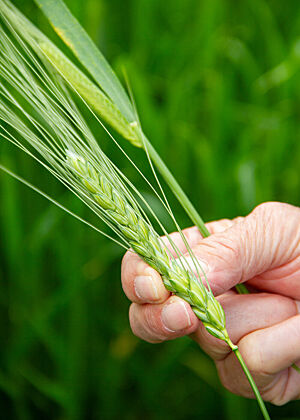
(297, 369)
(250, 380)
(182, 198)
(241, 289)
(176, 189)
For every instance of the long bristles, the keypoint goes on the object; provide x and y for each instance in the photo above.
(42, 120)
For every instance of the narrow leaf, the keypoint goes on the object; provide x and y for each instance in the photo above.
(77, 39)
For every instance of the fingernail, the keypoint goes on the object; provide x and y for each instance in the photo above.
(145, 288)
(195, 265)
(175, 316)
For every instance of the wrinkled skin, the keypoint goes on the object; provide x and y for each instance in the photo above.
(261, 250)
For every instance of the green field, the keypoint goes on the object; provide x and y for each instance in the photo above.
(217, 89)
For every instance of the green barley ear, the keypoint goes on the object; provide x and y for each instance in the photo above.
(142, 238)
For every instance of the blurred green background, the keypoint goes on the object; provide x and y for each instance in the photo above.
(217, 88)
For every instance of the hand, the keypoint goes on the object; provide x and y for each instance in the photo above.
(261, 250)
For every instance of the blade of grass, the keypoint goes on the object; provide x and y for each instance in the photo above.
(77, 39)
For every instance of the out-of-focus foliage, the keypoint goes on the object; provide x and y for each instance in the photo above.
(217, 88)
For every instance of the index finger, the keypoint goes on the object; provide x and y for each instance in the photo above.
(141, 283)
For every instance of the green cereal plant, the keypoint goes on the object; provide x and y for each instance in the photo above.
(142, 238)
(39, 116)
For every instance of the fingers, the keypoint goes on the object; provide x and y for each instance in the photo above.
(141, 283)
(274, 348)
(193, 236)
(244, 315)
(268, 339)
(268, 238)
(283, 280)
(289, 387)
(269, 354)
(155, 323)
(220, 225)
(177, 245)
(266, 241)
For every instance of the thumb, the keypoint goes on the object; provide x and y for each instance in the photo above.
(265, 239)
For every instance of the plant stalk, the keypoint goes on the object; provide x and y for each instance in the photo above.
(182, 198)
(259, 399)
(297, 369)
(176, 189)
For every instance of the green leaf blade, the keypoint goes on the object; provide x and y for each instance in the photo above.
(77, 39)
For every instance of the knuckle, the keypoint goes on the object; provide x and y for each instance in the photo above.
(228, 248)
(192, 235)
(221, 247)
(174, 235)
(225, 223)
(276, 212)
(238, 219)
(219, 225)
(266, 206)
(270, 207)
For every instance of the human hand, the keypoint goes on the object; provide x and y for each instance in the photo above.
(261, 250)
